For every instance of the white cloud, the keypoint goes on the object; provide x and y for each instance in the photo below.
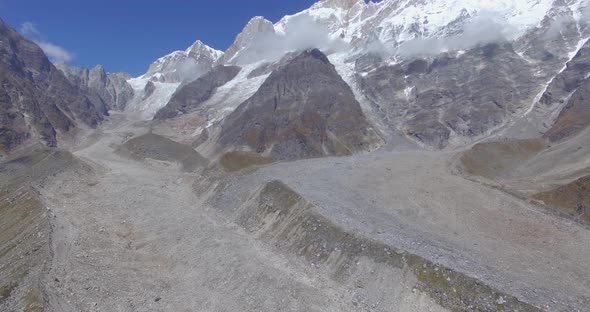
(54, 52)
(301, 32)
(483, 29)
(29, 29)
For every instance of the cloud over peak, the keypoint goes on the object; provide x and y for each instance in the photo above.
(54, 52)
(29, 29)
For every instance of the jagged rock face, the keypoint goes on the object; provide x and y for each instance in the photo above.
(464, 96)
(304, 109)
(112, 89)
(184, 66)
(36, 99)
(245, 48)
(197, 92)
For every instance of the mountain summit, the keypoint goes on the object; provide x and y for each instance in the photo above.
(187, 65)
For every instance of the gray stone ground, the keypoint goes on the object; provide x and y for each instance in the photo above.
(145, 235)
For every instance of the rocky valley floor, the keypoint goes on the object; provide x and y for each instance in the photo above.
(419, 155)
(385, 231)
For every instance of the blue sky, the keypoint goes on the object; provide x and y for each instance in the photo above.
(127, 35)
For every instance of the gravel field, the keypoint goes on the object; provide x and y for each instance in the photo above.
(134, 236)
(146, 235)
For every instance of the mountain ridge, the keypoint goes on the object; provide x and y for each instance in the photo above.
(353, 31)
(38, 103)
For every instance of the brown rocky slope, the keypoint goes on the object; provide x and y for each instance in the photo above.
(304, 109)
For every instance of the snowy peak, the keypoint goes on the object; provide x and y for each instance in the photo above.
(338, 4)
(199, 49)
(154, 89)
(392, 23)
(258, 24)
(338, 16)
(258, 31)
(398, 28)
(183, 66)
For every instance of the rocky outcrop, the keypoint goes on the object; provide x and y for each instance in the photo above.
(197, 92)
(303, 109)
(36, 99)
(112, 89)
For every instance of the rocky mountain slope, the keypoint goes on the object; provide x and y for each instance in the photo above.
(551, 165)
(37, 102)
(303, 109)
(196, 92)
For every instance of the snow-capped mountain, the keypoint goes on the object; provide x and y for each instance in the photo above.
(442, 73)
(154, 89)
(248, 47)
(402, 28)
(393, 22)
(183, 66)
